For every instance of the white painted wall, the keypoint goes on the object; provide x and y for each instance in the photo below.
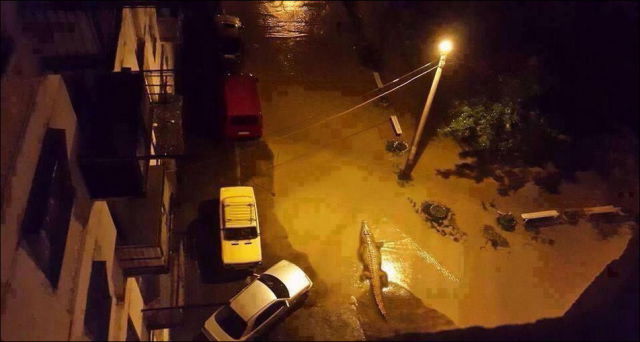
(31, 308)
(26, 291)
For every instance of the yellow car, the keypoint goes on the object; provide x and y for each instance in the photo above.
(239, 228)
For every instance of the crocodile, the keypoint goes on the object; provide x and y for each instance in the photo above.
(372, 265)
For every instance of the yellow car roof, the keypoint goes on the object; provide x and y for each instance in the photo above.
(239, 215)
(238, 207)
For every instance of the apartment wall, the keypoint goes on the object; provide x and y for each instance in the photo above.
(23, 76)
(22, 61)
(140, 24)
(31, 309)
(127, 43)
(99, 244)
(26, 291)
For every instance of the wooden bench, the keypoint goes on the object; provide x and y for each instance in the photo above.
(395, 124)
(540, 218)
(603, 210)
(607, 213)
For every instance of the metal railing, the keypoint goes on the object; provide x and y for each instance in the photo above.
(159, 92)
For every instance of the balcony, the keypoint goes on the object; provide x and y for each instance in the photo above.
(167, 309)
(144, 225)
(115, 125)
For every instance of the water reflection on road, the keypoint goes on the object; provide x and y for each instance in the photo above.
(396, 259)
(302, 52)
(315, 187)
(285, 19)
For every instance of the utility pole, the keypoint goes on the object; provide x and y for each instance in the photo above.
(405, 173)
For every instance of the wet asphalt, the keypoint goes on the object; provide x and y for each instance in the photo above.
(283, 45)
(314, 184)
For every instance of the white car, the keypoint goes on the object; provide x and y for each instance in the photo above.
(266, 299)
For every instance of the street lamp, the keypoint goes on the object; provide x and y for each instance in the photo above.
(444, 47)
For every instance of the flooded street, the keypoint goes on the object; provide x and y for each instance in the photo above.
(318, 175)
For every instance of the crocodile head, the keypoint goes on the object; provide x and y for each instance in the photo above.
(364, 231)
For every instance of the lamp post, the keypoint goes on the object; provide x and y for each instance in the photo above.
(444, 47)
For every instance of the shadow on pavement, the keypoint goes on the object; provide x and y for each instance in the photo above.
(201, 75)
(509, 179)
(211, 164)
(205, 237)
(405, 312)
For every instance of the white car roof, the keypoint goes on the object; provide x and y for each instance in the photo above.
(257, 295)
(252, 299)
(291, 275)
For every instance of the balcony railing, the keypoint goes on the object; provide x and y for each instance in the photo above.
(171, 315)
(160, 84)
(144, 226)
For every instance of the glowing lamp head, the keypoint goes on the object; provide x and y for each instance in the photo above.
(445, 47)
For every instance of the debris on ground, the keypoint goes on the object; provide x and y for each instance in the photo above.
(414, 205)
(493, 237)
(396, 146)
(441, 218)
(572, 216)
(541, 239)
(506, 221)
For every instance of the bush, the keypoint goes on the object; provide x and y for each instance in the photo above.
(500, 131)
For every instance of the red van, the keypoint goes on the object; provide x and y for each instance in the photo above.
(243, 115)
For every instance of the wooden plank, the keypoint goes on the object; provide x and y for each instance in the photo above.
(540, 214)
(607, 209)
(396, 125)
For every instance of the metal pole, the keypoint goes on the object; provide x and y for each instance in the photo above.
(410, 163)
(185, 307)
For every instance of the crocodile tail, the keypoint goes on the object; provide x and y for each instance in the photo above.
(380, 303)
(377, 295)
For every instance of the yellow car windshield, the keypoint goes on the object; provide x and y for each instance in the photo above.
(244, 233)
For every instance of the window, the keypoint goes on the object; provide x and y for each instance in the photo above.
(98, 313)
(273, 283)
(244, 120)
(231, 322)
(246, 233)
(268, 313)
(6, 49)
(46, 221)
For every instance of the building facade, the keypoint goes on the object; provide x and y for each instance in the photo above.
(86, 200)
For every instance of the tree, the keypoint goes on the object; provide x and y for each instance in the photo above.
(500, 131)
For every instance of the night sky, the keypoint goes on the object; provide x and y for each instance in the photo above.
(586, 53)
